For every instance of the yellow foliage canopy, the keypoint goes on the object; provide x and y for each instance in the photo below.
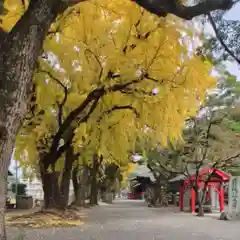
(116, 42)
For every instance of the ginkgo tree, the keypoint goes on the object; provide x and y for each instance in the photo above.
(124, 72)
(28, 32)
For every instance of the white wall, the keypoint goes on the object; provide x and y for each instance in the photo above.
(34, 189)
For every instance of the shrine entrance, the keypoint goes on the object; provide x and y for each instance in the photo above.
(214, 188)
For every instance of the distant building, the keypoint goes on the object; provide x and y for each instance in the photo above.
(34, 189)
(11, 196)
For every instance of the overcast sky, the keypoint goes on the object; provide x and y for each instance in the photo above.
(234, 14)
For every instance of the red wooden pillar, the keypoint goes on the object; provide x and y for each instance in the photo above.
(193, 200)
(181, 196)
(221, 198)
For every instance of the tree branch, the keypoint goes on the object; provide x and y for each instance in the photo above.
(64, 100)
(228, 160)
(163, 7)
(207, 146)
(204, 7)
(219, 38)
(96, 94)
(123, 107)
(54, 155)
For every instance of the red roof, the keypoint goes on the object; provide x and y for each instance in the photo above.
(221, 174)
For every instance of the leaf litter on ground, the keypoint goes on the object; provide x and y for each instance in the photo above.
(47, 219)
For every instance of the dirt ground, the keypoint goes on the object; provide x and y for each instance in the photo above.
(133, 220)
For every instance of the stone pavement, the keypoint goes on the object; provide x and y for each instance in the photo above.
(133, 220)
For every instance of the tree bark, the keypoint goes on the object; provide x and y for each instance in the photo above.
(52, 195)
(164, 7)
(66, 177)
(199, 198)
(2, 203)
(156, 193)
(79, 185)
(202, 200)
(75, 182)
(200, 206)
(56, 193)
(19, 50)
(94, 183)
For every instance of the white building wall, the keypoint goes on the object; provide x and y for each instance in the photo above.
(34, 189)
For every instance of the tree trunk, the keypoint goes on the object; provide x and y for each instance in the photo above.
(64, 188)
(3, 180)
(79, 185)
(200, 210)
(51, 188)
(66, 177)
(19, 50)
(52, 195)
(75, 182)
(156, 193)
(56, 193)
(94, 183)
(94, 193)
(200, 198)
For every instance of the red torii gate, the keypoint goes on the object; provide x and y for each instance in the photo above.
(215, 182)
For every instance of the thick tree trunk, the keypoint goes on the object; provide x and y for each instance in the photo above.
(80, 197)
(19, 50)
(66, 177)
(64, 188)
(52, 188)
(75, 182)
(56, 192)
(94, 183)
(52, 195)
(3, 180)
(94, 193)
(79, 184)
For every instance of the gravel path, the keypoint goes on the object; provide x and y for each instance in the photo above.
(133, 220)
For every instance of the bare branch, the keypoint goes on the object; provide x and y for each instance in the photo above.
(228, 160)
(218, 36)
(206, 147)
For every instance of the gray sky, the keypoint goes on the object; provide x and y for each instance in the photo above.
(234, 14)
